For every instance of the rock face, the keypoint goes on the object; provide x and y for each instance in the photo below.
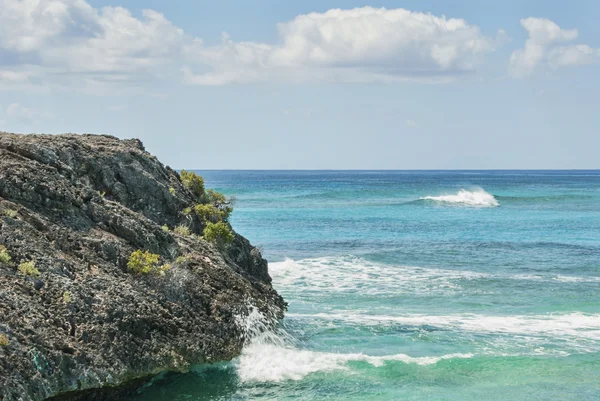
(78, 206)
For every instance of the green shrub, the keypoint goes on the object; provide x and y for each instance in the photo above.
(220, 202)
(216, 208)
(3, 340)
(165, 228)
(187, 211)
(4, 256)
(172, 190)
(182, 230)
(28, 269)
(194, 183)
(10, 213)
(67, 297)
(218, 233)
(208, 213)
(143, 262)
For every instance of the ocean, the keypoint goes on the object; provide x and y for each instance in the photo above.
(416, 285)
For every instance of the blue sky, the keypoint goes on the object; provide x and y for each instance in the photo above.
(316, 85)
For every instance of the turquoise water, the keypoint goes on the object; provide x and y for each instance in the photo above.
(417, 286)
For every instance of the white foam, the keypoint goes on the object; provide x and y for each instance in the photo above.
(573, 279)
(351, 274)
(477, 197)
(573, 325)
(271, 355)
(272, 363)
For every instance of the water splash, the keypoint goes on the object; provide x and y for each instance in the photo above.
(271, 354)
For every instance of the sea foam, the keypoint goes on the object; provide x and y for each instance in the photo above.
(272, 355)
(350, 273)
(563, 326)
(477, 198)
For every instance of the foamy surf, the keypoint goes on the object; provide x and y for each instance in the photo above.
(272, 363)
(271, 355)
(349, 273)
(477, 198)
(564, 326)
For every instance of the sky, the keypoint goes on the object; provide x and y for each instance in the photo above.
(271, 84)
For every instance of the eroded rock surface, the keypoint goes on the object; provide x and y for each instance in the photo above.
(78, 206)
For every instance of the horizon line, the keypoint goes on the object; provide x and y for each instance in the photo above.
(351, 169)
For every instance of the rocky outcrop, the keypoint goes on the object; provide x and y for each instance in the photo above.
(78, 206)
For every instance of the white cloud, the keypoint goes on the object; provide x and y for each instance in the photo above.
(542, 46)
(69, 39)
(359, 45)
(62, 42)
(573, 55)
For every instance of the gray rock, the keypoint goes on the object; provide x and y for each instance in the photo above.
(87, 327)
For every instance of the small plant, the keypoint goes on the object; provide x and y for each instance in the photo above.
(28, 269)
(163, 269)
(194, 183)
(67, 297)
(182, 230)
(143, 262)
(10, 213)
(218, 233)
(172, 190)
(165, 228)
(4, 256)
(187, 211)
(3, 340)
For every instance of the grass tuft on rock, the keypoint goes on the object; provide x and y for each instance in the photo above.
(4, 256)
(28, 269)
(182, 230)
(145, 262)
(67, 297)
(10, 213)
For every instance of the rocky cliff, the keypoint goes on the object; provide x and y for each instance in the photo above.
(76, 322)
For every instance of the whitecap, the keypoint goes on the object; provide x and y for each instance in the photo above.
(477, 197)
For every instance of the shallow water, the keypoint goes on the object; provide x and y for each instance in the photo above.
(418, 286)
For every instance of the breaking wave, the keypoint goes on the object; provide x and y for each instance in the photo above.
(477, 198)
(272, 355)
